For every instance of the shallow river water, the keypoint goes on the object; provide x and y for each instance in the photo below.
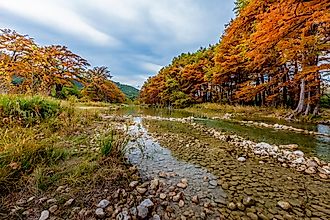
(154, 161)
(312, 145)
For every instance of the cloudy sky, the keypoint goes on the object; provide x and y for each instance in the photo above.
(134, 38)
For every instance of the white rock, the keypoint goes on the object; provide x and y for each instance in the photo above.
(300, 160)
(100, 213)
(123, 216)
(103, 203)
(298, 153)
(241, 159)
(264, 146)
(44, 215)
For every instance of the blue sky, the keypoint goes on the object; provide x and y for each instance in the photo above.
(134, 38)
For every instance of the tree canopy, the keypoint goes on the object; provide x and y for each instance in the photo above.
(26, 67)
(274, 53)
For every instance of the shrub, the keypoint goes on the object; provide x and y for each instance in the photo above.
(325, 101)
(26, 110)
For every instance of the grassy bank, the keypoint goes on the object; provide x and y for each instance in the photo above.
(46, 144)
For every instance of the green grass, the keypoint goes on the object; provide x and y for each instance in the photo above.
(48, 143)
(29, 110)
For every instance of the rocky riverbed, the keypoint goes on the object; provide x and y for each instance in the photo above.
(276, 189)
(184, 170)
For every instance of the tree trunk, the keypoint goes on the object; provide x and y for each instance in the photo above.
(308, 108)
(301, 104)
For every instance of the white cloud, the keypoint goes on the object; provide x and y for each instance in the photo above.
(151, 67)
(132, 37)
(56, 15)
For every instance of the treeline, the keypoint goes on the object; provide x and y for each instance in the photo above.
(28, 68)
(274, 53)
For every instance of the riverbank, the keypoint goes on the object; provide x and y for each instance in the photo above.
(59, 162)
(268, 115)
(278, 192)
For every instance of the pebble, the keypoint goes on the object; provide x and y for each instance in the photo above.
(213, 183)
(53, 209)
(177, 197)
(154, 184)
(232, 206)
(248, 201)
(181, 203)
(182, 185)
(252, 216)
(44, 215)
(143, 208)
(141, 190)
(195, 199)
(155, 217)
(99, 212)
(162, 196)
(241, 159)
(284, 205)
(49, 201)
(103, 203)
(310, 170)
(69, 202)
(134, 184)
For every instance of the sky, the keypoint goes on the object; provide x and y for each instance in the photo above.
(134, 38)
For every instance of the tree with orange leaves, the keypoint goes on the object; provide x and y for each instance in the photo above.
(99, 87)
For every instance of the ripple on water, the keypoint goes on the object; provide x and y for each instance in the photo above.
(152, 159)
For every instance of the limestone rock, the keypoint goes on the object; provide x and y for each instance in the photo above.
(44, 215)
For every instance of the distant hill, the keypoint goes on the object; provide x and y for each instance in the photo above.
(130, 91)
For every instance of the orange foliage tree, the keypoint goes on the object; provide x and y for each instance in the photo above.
(274, 53)
(26, 67)
(99, 87)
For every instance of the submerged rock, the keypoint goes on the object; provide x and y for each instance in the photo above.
(241, 159)
(284, 205)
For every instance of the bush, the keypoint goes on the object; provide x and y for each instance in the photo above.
(26, 110)
(325, 101)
